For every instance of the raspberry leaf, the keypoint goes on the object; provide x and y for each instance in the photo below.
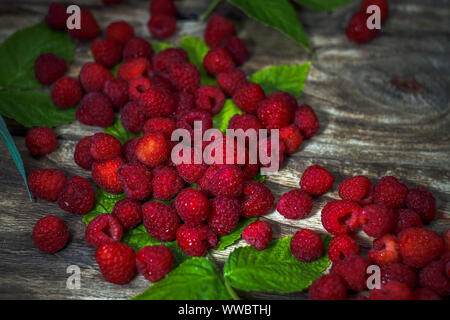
(229, 239)
(220, 120)
(196, 50)
(104, 203)
(323, 5)
(160, 46)
(117, 130)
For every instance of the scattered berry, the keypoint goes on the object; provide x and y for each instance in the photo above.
(342, 246)
(93, 77)
(104, 146)
(392, 290)
(328, 287)
(117, 262)
(340, 216)
(433, 276)
(316, 180)
(225, 214)
(218, 60)
(274, 113)
(163, 60)
(377, 220)
(162, 6)
(306, 245)
(382, 4)
(128, 212)
(166, 183)
(103, 228)
(160, 220)
(291, 137)
(352, 270)
(120, 31)
(165, 126)
(137, 48)
(245, 121)
(237, 49)
(162, 26)
(306, 120)
(66, 92)
(258, 234)
(89, 28)
(133, 117)
(398, 272)
(46, 183)
(104, 174)
(82, 155)
(95, 110)
(422, 202)
(356, 189)
(390, 192)
(48, 68)
(117, 91)
(385, 250)
(138, 86)
(157, 102)
(230, 81)
(257, 199)
(295, 204)
(227, 181)
(40, 141)
(357, 30)
(50, 234)
(248, 96)
(136, 180)
(184, 76)
(154, 262)
(128, 150)
(106, 52)
(407, 219)
(187, 120)
(192, 206)
(133, 69)
(209, 98)
(152, 149)
(218, 29)
(76, 196)
(194, 240)
(56, 16)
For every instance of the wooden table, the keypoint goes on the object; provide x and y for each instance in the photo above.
(383, 110)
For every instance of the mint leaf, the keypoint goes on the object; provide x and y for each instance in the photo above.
(272, 270)
(20, 50)
(323, 5)
(229, 239)
(33, 108)
(220, 120)
(117, 130)
(194, 279)
(104, 203)
(279, 14)
(197, 50)
(286, 78)
(160, 46)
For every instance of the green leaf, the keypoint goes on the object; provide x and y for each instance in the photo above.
(197, 50)
(279, 14)
(194, 279)
(220, 120)
(272, 270)
(160, 46)
(117, 130)
(19, 51)
(323, 5)
(229, 239)
(33, 108)
(259, 177)
(104, 203)
(286, 78)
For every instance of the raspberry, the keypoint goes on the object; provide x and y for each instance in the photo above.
(137, 86)
(407, 219)
(209, 98)
(355, 189)
(89, 28)
(128, 150)
(274, 113)
(385, 250)
(154, 262)
(136, 180)
(392, 290)
(166, 183)
(357, 30)
(137, 48)
(95, 110)
(40, 141)
(192, 206)
(162, 6)
(117, 262)
(133, 69)
(104, 146)
(194, 240)
(157, 102)
(327, 287)
(56, 16)
(152, 149)
(158, 81)
(398, 272)
(419, 246)
(225, 214)
(422, 202)
(163, 60)
(382, 4)
(377, 220)
(82, 154)
(104, 174)
(291, 137)
(184, 77)
(306, 120)
(162, 25)
(257, 199)
(295, 204)
(425, 294)
(215, 151)
(46, 183)
(231, 80)
(245, 122)
(165, 126)
(133, 117)
(342, 246)
(266, 144)
(390, 192)
(218, 29)
(285, 98)
(306, 245)
(66, 92)
(227, 181)
(103, 228)
(258, 234)
(76, 196)
(50, 234)
(237, 49)
(93, 77)
(352, 270)
(218, 60)
(106, 52)
(120, 31)
(250, 171)
(316, 180)
(128, 212)
(248, 96)
(117, 91)
(340, 216)
(433, 277)
(48, 68)
(160, 220)
(187, 120)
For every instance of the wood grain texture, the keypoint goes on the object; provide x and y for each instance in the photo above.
(371, 124)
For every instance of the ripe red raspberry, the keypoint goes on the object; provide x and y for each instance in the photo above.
(166, 183)
(95, 110)
(425, 294)
(245, 122)
(133, 117)
(116, 90)
(342, 246)
(274, 113)
(433, 276)
(187, 120)
(56, 16)
(106, 52)
(327, 287)
(157, 102)
(266, 144)
(137, 48)
(120, 31)
(162, 6)
(392, 290)
(89, 28)
(382, 4)
(133, 69)
(218, 29)
(231, 80)
(128, 212)
(398, 272)
(82, 154)
(357, 30)
(154, 262)
(316, 180)
(184, 76)
(164, 126)
(248, 96)
(191, 172)
(48, 68)
(257, 199)
(306, 120)
(225, 214)
(46, 183)
(117, 262)
(209, 98)
(50, 234)
(215, 151)
(390, 192)
(227, 181)
(103, 228)
(163, 60)
(160, 220)
(162, 25)
(104, 146)
(40, 141)
(291, 137)
(192, 206)
(66, 92)
(250, 171)
(218, 60)
(152, 149)
(237, 49)
(76, 196)
(377, 220)
(136, 180)
(128, 150)
(385, 250)
(355, 189)
(419, 246)
(258, 234)
(93, 77)
(295, 204)
(406, 219)
(422, 202)
(137, 86)
(352, 270)
(306, 245)
(194, 240)
(104, 174)
(340, 216)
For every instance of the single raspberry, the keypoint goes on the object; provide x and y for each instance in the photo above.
(184, 102)
(160, 220)
(136, 180)
(117, 262)
(249, 171)
(152, 149)
(390, 192)
(218, 60)
(398, 272)
(203, 182)
(162, 6)
(137, 86)
(355, 189)
(422, 202)
(184, 76)
(274, 113)
(163, 60)
(166, 183)
(425, 294)
(120, 31)
(128, 150)
(82, 155)
(433, 276)
(227, 181)
(104, 146)
(103, 228)
(218, 29)
(128, 212)
(237, 49)
(224, 150)
(95, 110)
(154, 262)
(291, 137)
(209, 98)
(340, 216)
(257, 199)
(385, 250)
(157, 102)
(248, 96)
(66, 92)
(357, 30)
(194, 240)
(137, 48)
(40, 141)
(231, 80)
(50, 234)
(192, 206)
(56, 16)
(93, 77)
(295, 204)
(382, 4)
(393, 290)
(316, 180)
(266, 145)
(258, 234)
(164, 126)
(342, 246)
(406, 219)
(328, 287)
(117, 91)
(48, 68)
(46, 183)
(162, 26)
(306, 245)
(133, 69)
(106, 52)
(225, 214)
(187, 120)
(352, 270)
(377, 220)
(89, 28)
(76, 196)
(191, 172)
(104, 174)
(245, 122)
(306, 120)
(133, 117)
(285, 98)
(419, 246)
